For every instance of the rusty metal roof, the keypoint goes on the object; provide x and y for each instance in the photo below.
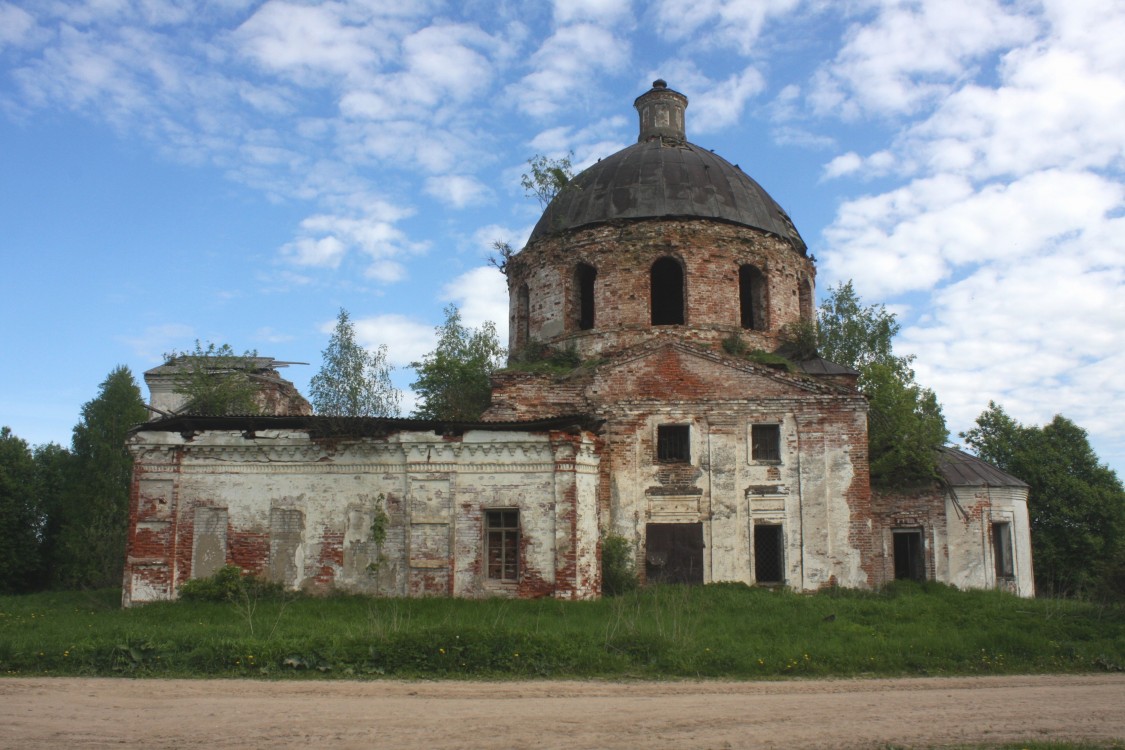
(960, 469)
(663, 178)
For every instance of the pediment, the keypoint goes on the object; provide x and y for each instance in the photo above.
(677, 370)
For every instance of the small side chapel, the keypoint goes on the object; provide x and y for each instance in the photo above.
(660, 266)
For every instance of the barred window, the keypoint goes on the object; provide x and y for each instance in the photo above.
(673, 443)
(502, 544)
(765, 442)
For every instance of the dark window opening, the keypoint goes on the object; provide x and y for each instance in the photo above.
(667, 293)
(805, 300)
(1002, 550)
(769, 549)
(502, 544)
(673, 443)
(752, 298)
(523, 316)
(910, 562)
(584, 277)
(674, 553)
(765, 442)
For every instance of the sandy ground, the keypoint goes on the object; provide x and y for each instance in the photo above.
(101, 713)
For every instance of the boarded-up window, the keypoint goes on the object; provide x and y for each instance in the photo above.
(667, 292)
(287, 526)
(769, 549)
(674, 553)
(765, 442)
(1002, 549)
(502, 544)
(673, 443)
(209, 541)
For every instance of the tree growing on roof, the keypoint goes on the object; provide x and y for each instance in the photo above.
(215, 380)
(353, 381)
(547, 178)
(453, 380)
(905, 423)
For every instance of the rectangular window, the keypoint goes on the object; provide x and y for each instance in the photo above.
(769, 559)
(673, 443)
(765, 442)
(502, 544)
(1002, 550)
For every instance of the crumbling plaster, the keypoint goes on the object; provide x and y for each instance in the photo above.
(320, 497)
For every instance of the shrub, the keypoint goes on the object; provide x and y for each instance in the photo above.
(229, 584)
(619, 575)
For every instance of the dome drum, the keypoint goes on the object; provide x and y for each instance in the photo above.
(599, 288)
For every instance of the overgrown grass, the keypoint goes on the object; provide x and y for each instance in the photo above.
(721, 631)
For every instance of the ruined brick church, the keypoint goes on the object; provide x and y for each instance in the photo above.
(672, 275)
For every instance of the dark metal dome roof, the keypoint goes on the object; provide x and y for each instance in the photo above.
(664, 178)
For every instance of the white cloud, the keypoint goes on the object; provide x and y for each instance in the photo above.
(913, 53)
(598, 11)
(732, 23)
(565, 63)
(306, 43)
(842, 165)
(1007, 231)
(17, 26)
(457, 191)
(326, 252)
(481, 295)
(406, 339)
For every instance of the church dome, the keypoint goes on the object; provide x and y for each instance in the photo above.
(664, 176)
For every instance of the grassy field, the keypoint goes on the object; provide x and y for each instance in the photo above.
(721, 631)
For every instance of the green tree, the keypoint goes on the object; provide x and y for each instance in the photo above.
(95, 512)
(1076, 503)
(905, 424)
(453, 380)
(547, 178)
(53, 475)
(20, 519)
(215, 380)
(353, 382)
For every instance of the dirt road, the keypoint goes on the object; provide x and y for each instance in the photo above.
(102, 713)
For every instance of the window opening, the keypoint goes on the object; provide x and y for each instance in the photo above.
(805, 300)
(769, 562)
(585, 275)
(667, 293)
(523, 316)
(502, 544)
(910, 563)
(765, 442)
(752, 297)
(674, 553)
(673, 443)
(1002, 550)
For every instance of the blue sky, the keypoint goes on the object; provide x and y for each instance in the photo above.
(237, 171)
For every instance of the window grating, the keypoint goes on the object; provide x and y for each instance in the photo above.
(673, 443)
(502, 544)
(765, 441)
